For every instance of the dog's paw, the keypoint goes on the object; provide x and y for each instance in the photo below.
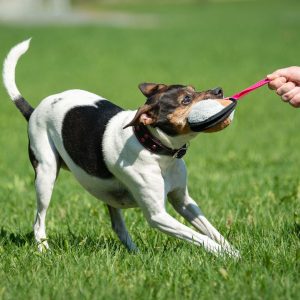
(43, 246)
(133, 249)
(234, 253)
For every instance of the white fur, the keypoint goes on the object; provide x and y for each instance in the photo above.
(141, 178)
(10, 66)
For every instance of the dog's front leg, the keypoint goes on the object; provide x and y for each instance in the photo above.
(189, 209)
(167, 224)
(151, 198)
(119, 227)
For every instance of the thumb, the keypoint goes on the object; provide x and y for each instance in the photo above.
(272, 76)
(285, 72)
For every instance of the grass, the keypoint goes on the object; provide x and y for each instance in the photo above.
(246, 179)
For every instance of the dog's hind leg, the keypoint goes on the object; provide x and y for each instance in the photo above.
(119, 227)
(45, 161)
(189, 209)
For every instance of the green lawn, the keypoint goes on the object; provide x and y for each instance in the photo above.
(246, 179)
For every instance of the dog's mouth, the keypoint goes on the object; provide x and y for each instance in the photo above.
(211, 115)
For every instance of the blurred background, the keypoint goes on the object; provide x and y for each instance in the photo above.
(110, 46)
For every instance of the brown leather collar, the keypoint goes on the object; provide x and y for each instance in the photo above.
(154, 145)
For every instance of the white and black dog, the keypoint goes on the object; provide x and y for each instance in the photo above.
(125, 158)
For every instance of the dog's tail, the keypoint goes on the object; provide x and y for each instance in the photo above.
(9, 68)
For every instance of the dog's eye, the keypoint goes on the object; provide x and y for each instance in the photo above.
(186, 100)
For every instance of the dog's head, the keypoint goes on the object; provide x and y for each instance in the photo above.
(172, 107)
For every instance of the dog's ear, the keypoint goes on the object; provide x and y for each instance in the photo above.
(149, 89)
(144, 115)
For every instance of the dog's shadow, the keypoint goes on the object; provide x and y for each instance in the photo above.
(63, 242)
(17, 239)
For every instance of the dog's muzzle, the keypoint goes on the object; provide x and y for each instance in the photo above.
(208, 113)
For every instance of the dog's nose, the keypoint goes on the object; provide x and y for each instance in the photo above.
(217, 91)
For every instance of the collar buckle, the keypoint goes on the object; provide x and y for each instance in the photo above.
(180, 152)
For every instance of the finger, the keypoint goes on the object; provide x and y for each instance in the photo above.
(290, 73)
(291, 94)
(284, 72)
(285, 88)
(295, 101)
(272, 76)
(278, 73)
(277, 83)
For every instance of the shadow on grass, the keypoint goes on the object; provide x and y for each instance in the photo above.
(63, 242)
(17, 239)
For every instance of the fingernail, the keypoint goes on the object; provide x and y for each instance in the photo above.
(285, 98)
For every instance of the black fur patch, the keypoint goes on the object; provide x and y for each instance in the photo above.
(167, 104)
(82, 132)
(24, 107)
(55, 101)
(33, 160)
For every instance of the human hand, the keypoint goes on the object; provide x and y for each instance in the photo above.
(286, 82)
